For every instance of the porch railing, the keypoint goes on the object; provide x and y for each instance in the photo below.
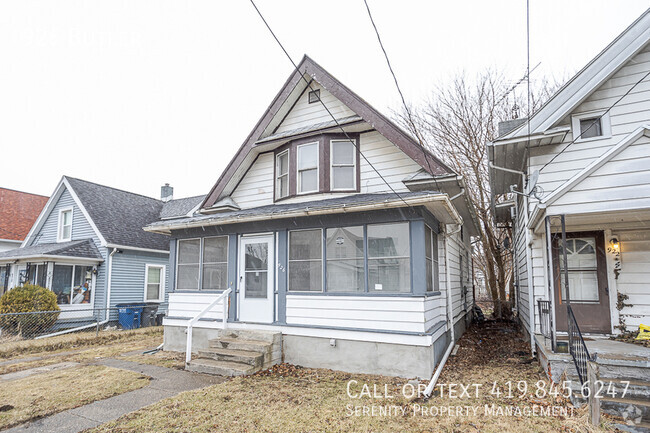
(223, 297)
(577, 346)
(544, 308)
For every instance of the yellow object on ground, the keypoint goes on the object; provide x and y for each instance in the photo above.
(644, 332)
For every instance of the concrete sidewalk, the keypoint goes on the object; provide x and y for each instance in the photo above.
(166, 382)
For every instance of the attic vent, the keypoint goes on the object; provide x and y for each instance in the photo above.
(314, 96)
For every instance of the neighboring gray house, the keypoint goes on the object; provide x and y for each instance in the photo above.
(349, 252)
(88, 246)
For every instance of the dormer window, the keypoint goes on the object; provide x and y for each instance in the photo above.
(307, 168)
(591, 126)
(65, 225)
(282, 174)
(343, 174)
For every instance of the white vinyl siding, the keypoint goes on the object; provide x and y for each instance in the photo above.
(634, 277)
(256, 188)
(304, 114)
(632, 112)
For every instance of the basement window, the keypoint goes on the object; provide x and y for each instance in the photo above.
(314, 96)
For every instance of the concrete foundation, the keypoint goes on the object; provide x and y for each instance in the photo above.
(351, 356)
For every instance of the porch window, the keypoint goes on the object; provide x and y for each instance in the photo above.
(155, 280)
(343, 173)
(37, 274)
(189, 255)
(307, 168)
(431, 255)
(389, 258)
(72, 284)
(215, 263)
(306, 260)
(345, 263)
(65, 225)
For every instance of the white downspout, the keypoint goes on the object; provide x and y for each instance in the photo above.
(450, 319)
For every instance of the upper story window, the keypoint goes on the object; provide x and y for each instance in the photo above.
(282, 174)
(65, 225)
(317, 164)
(591, 126)
(307, 168)
(343, 160)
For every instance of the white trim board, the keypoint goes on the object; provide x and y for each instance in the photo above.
(595, 165)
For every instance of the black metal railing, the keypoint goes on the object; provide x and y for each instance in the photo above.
(544, 308)
(577, 346)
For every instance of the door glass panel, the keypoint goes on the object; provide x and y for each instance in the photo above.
(256, 270)
(582, 266)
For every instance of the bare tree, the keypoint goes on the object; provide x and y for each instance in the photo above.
(456, 123)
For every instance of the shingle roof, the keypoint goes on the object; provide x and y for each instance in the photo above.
(276, 210)
(180, 207)
(120, 215)
(18, 211)
(85, 248)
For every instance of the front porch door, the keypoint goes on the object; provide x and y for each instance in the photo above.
(588, 291)
(256, 279)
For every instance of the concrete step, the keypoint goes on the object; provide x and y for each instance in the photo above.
(643, 427)
(626, 408)
(237, 344)
(250, 335)
(623, 372)
(256, 359)
(221, 368)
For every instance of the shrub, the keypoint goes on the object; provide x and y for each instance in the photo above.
(28, 299)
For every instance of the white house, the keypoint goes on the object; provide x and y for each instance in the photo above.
(338, 239)
(589, 146)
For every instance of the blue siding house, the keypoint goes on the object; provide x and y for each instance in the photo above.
(89, 248)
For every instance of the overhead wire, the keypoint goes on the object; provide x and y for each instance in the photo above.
(354, 143)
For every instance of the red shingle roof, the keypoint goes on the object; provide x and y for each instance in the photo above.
(18, 212)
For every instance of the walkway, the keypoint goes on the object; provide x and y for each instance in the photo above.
(166, 382)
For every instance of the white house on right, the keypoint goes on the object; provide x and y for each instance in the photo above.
(575, 178)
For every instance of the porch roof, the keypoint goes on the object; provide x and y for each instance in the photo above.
(437, 203)
(84, 249)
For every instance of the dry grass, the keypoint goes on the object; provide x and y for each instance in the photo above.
(74, 341)
(291, 399)
(163, 359)
(48, 393)
(80, 347)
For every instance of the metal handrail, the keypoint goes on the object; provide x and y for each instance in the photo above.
(544, 309)
(224, 321)
(577, 346)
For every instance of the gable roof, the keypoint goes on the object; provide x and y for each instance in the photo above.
(281, 105)
(18, 211)
(84, 248)
(180, 207)
(120, 215)
(592, 76)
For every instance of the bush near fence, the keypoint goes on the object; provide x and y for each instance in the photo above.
(28, 310)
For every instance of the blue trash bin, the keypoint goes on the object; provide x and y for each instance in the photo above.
(129, 316)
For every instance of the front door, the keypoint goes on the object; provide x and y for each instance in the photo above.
(588, 291)
(256, 279)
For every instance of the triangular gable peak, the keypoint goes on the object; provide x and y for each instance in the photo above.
(589, 79)
(281, 120)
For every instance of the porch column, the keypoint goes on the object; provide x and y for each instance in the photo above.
(232, 276)
(418, 259)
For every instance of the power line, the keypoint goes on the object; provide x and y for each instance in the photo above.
(399, 90)
(325, 107)
(595, 121)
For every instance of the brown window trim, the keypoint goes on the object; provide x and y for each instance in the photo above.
(324, 146)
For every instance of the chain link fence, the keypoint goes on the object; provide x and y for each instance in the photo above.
(42, 324)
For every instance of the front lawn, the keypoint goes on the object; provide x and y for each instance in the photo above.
(44, 394)
(293, 399)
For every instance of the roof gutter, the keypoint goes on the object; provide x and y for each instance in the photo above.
(442, 199)
(47, 257)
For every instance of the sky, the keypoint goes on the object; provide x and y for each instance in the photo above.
(137, 93)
